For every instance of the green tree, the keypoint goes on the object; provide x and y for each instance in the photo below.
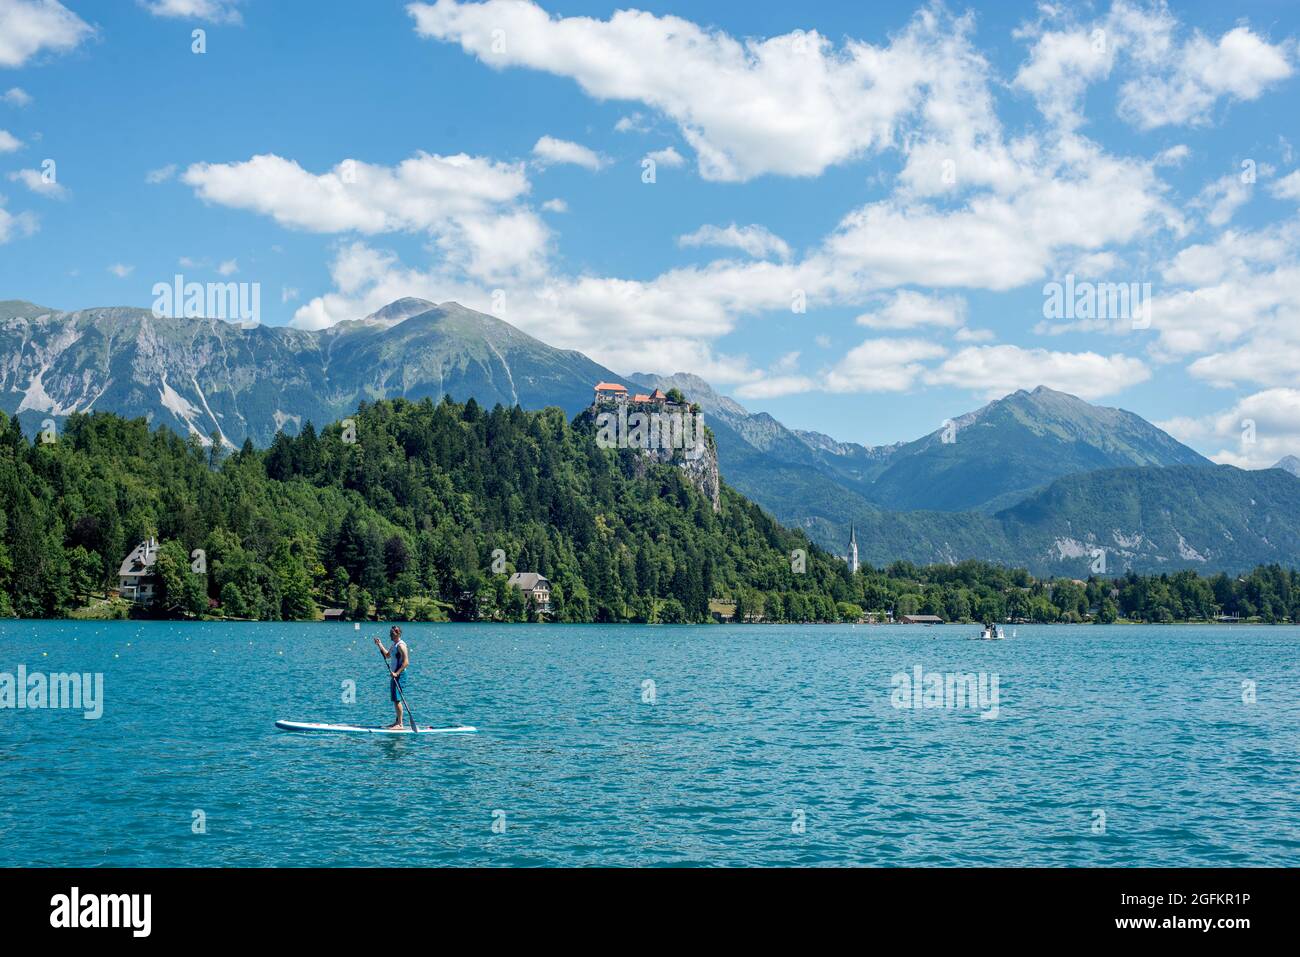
(180, 587)
(232, 601)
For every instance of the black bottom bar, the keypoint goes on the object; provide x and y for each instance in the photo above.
(425, 906)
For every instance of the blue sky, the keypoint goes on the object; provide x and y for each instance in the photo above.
(915, 175)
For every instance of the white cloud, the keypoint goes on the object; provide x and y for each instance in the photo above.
(1173, 156)
(876, 365)
(1224, 197)
(1061, 66)
(17, 96)
(667, 156)
(881, 365)
(468, 205)
(1073, 198)
(29, 27)
(1270, 355)
(160, 175)
(120, 270)
(994, 371)
(754, 240)
(634, 123)
(555, 206)
(288, 294)
(553, 152)
(791, 105)
(1288, 187)
(982, 245)
(37, 183)
(1254, 433)
(1239, 66)
(214, 11)
(1166, 80)
(781, 379)
(907, 309)
(774, 387)
(9, 143)
(14, 226)
(420, 193)
(1242, 290)
(1233, 253)
(228, 268)
(493, 247)
(787, 363)
(1095, 265)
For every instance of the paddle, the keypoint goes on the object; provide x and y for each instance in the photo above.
(409, 713)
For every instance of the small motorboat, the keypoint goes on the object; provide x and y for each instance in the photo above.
(991, 633)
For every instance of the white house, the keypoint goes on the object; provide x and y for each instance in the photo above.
(136, 578)
(535, 586)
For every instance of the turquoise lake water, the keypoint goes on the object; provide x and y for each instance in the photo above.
(763, 745)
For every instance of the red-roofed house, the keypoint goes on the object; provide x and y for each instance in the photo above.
(610, 392)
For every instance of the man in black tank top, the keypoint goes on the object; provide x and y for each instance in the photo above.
(399, 656)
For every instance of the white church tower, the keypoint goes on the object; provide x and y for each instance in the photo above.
(853, 550)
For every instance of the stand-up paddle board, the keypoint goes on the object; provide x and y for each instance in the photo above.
(318, 728)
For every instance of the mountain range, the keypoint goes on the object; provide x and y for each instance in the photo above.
(200, 376)
(1038, 479)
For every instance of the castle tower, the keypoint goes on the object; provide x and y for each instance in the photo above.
(853, 550)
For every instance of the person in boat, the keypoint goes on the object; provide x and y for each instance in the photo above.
(399, 657)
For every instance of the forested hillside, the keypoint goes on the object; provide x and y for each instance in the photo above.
(400, 511)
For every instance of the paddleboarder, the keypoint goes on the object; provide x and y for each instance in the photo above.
(398, 657)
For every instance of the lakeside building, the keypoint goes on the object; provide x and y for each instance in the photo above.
(136, 578)
(920, 620)
(533, 586)
(723, 609)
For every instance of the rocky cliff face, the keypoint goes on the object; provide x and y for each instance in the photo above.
(699, 464)
(678, 438)
(701, 470)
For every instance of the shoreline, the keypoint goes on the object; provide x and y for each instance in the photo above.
(384, 622)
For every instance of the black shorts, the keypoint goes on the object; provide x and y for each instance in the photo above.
(394, 684)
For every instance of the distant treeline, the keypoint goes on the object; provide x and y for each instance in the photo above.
(420, 510)
(978, 591)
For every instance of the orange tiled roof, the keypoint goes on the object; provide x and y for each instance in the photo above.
(609, 387)
(639, 397)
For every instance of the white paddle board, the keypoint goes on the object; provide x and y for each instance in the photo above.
(319, 728)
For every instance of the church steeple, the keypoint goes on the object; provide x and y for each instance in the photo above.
(853, 550)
